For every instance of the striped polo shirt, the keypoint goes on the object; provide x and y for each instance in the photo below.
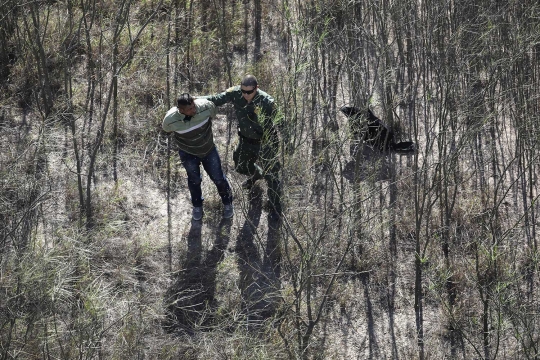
(193, 134)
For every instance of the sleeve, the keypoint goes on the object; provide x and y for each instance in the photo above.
(221, 98)
(213, 110)
(167, 121)
(207, 105)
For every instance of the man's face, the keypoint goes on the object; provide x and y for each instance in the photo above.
(188, 110)
(248, 92)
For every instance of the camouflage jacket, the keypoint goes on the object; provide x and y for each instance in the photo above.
(257, 118)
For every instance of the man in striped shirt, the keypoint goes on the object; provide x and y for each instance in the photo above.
(191, 120)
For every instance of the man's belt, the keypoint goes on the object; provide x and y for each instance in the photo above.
(249, 140)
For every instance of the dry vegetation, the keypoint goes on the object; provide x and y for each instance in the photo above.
(425, 256)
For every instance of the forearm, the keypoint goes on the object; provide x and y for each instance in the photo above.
(216, 99)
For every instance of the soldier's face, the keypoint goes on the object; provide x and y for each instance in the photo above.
(248, 92)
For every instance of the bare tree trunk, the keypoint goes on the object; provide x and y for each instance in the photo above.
(257, 30)
(224, 39)
(70, 42)
(121, 20)
(36, 31)
(246, 29)
(115, 111)
(187, 59)
(168, 104)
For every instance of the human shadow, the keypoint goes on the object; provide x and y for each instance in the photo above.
(191, 298)
(259, 274)
(368, 164)
(272, 254)
(374, 352)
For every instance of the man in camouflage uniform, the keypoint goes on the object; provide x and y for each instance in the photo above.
(257, 152)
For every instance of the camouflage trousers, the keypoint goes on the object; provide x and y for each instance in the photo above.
(260, 160)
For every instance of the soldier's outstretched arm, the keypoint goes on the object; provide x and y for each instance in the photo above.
(219, 99)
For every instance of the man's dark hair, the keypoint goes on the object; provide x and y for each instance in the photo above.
(184, 100)
(249, 80)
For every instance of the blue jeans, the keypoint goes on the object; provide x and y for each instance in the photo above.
(212, 166)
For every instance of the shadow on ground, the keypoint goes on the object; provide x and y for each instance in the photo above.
(191, 302)
(191, 299)
(258, 263)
